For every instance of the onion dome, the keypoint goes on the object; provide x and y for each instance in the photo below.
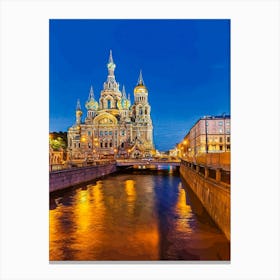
(91, 104)
(140, 87)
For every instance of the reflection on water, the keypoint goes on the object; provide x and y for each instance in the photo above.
(134, 216)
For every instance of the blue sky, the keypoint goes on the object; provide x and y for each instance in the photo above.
(185, 66)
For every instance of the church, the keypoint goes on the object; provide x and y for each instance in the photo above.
(113, 127)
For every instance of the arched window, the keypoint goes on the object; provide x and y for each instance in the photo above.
(108, 104)
(111, 145)
(140, 111)
(146, 111)
(106, 145)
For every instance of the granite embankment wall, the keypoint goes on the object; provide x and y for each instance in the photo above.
(65, 178)
(213, 193)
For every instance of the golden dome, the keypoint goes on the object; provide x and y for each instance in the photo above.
(140, 89)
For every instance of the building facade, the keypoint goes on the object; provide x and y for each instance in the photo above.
(210, 134)
(113, 127)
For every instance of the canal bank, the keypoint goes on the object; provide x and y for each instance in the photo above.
(133, 215)
(62, 179)
(212, 191)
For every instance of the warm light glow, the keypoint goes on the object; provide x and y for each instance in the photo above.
(83, 139)
(183, 210)
(129, 150)
(185, 142)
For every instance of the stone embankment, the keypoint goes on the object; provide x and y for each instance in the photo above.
(62, 179)
(212, 187)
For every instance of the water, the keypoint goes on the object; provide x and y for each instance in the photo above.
(137, 215)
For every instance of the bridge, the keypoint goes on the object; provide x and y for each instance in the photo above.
(147, 162)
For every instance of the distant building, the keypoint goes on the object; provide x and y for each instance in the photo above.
(113, 127)
(210, 134)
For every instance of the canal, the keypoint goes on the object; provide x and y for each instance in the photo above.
(133, 215)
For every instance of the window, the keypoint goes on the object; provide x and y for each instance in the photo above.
(228, 147)
(101, 133)
(228, 131)
(108, 104)
(221, 139)
(207, 123)
(101, 145)
(228, 139)
(106, 145)
(106, 132)
(221, 147)
(122, 132)
(116, 132)
(220, 123)
(227, 123)
(89, 145)
(89, 133)
(122, 145)
(79, 145)
(111, 145)
(220, 130)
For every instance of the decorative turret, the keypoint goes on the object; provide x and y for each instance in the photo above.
(91, 104)
(140, 91)
(111, 83)
(111, 65)
(78, 112)
(110, 95)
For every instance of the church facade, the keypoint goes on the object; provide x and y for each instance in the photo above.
(113, 127)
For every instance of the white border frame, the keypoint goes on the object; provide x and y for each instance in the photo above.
(255, 138)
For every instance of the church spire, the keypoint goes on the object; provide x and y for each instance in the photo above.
(123, 92)
(111, 65)
(140, 79)
(91, 93)
(111, 58)
(78, 107)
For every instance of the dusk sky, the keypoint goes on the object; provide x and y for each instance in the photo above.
(185, 66)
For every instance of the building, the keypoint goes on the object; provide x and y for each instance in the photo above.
(210, 134)
(112, 126)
